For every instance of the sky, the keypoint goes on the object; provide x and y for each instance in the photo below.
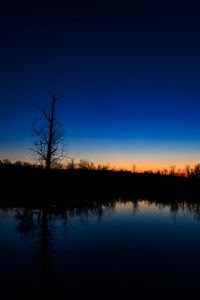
(128, 74)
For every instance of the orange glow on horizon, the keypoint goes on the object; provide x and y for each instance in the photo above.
(138, 166)
(117, 162)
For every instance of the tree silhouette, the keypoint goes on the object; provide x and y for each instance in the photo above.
(49, 134)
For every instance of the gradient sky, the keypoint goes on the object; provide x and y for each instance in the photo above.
(129, 75)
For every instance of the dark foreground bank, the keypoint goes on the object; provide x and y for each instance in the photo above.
(33, 186)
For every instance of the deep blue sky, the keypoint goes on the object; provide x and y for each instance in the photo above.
(129, 75)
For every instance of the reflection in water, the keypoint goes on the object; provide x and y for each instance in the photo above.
(101, 256)
(38, 232)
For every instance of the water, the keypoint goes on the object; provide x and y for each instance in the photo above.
(138, 248)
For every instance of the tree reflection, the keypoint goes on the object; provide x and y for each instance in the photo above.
(37, 227)
(38, 231)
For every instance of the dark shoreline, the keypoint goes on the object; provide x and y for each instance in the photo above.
(37, 187)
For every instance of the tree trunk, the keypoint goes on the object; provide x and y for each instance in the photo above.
(50, 140)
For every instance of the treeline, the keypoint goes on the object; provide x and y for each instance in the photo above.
(188, 171)
(22, 184)
(72, 164)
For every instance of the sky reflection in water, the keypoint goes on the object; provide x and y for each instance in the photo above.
(108, 250)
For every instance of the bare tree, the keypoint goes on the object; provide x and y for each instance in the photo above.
(49, 134)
